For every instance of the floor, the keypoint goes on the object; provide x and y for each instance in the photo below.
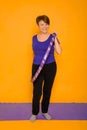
(65, 116)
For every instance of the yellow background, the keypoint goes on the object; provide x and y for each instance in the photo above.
(17, 26)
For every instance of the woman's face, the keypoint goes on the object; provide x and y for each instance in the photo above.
(43, 26)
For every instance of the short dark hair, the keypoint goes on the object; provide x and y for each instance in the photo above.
(44, 18)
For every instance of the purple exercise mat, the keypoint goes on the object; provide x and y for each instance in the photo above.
(58, 111)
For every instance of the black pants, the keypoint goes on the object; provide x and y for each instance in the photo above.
(45, 79)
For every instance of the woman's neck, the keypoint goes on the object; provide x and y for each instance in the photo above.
(44, 34)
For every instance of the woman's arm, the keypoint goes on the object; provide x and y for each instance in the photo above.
(57, 46)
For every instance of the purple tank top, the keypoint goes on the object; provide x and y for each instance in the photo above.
(40, 48)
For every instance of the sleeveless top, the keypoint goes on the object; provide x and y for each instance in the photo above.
(40, 47)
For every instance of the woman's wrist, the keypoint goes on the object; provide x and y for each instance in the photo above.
(57, 39)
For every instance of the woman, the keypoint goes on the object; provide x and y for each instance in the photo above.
(40, 44)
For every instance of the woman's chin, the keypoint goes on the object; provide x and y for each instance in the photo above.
(44, 32)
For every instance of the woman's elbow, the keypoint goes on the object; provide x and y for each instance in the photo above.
(59, 51)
